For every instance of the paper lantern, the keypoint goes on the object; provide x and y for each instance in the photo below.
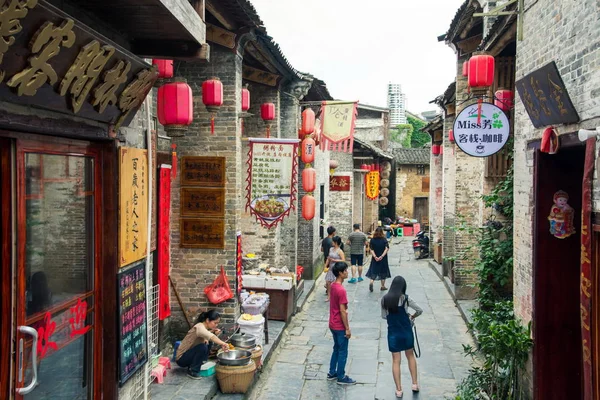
(435, 149)
(333, 164)
(385, 174)
(385, 183)
(308, 121)
(309, 180)
(245, 99)
(308, 207)
(386, 166)
(165, 68)
(212, 97)
(308, 150)
(451, 135)
(385, 192)
(504, 99)
(175, 107)
(267, 113)
(383, 201)
(441, 150)
(465, 68)
(481, 71)
(364, 167)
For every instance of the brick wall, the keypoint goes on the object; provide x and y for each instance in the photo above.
(340, 203)
(448, 190)
(408, 186)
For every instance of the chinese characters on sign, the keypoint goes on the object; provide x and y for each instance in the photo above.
(545, 97)
(197, 202)
(339, 183)
(337, 125)
(271, 183)
(372, 185)
(164, 242)
(484, 138)
(132, 320)
(47, 56)
(133, 209)
(203, 233)
(203, 171)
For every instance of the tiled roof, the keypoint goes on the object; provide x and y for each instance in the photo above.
(411, 156)
(500, 27)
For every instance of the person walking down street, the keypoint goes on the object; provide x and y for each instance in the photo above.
(335, 254)
(194, 348)
(340, 326)
(357, 241)
(379, 270)
(394, 308)
(326, 245)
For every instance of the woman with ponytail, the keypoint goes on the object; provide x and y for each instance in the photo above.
(194, 348)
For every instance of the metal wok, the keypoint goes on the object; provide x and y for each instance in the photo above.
(234, 357)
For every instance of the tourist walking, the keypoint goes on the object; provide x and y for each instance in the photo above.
(357, 241)
(394, 308)
(335, 254)
(339, 325)
(379, 270)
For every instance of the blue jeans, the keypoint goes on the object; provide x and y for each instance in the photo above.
(337, 366)
(194, 357)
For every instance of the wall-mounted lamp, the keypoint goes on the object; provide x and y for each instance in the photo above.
(585, 134)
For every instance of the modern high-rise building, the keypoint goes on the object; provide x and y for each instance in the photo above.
(396, 104)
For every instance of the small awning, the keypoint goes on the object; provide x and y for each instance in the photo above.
(373, 149)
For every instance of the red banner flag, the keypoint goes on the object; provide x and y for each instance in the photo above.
(164, 241)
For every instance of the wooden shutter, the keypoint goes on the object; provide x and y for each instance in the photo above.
(425, 184)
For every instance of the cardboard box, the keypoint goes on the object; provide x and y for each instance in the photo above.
(253, 281)
(279, 283)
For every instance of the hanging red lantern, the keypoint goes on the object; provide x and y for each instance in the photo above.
(245, 99)
(333, 164)
(308, 150)
(364, 167)
(309, 180)
(175, 107)
(308, 121)
(165, 68)
(481, 71)
(441, 150)
(267, 113)
(451, 135)
(465, 68)
(435, 149)
(212, 97)
(504, 99)
(308, 207)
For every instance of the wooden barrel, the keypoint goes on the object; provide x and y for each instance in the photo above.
(235, 379)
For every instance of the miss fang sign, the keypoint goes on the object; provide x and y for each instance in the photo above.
(485, 137)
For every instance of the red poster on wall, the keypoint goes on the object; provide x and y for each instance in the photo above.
(339, 183)
(164, 241)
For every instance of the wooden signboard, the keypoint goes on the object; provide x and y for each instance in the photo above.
(133, 342)
(202, 202)
(133, 205)
(339, 183)
(203, 171)
(202, 233)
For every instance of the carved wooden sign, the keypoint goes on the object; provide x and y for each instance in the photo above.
(203, 171)
(259, 76)
(204, 233)
(339, 183)
(49, 60)
(200, 202)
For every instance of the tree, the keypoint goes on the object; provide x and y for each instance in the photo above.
(411, 134)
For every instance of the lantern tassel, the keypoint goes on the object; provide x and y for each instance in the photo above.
(212, 124)
(479, 102)
(173, 161)
(268, 131)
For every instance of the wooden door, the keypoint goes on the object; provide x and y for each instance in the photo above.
(595, 325)
(421, 209)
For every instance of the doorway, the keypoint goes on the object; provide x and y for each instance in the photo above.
(556, 279)
(51, 210)
(421, 209)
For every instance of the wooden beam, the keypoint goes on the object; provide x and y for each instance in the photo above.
(220, 36)
(200, 8)
(183, 11)
(178, 50)
(469, 45)
(451, 108)
(260, 76)
(213, 7)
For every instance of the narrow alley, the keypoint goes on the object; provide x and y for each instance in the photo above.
(299, 367)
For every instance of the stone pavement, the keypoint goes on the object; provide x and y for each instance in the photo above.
(298, 367)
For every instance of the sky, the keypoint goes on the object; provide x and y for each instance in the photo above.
(358, 47)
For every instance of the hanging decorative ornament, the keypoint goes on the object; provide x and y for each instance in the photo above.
(504, 99)
(267, 113)
(385, 183)
(308, 207)
(245, 104)
(165, 71)
(309, 179)
(385, 192)
(550, 141)
(212, 97)
(333, 164)
(385, 174)
(364, 167)
(372, 185)
(465, 68)
(481, 77)
(383, 201)
(451, 135)
(387, 166)
(435, 149)
(175, 107)
(308, 150)
(173, 161)
(308, 121)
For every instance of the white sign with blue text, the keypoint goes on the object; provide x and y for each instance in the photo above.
(481, 132)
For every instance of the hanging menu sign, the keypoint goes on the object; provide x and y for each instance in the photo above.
(132, 320)
(203, 171)
(271, 189)
(200, 202)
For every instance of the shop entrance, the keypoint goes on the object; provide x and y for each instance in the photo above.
(51, 205)
(556, 279)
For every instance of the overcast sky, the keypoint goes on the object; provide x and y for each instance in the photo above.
(358, 47)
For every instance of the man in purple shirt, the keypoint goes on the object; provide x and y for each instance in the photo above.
(339, 326)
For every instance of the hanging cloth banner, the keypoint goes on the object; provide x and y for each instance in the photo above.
(238, 262)
(338, 119)
(372, 185)
(164, 241)
(272, 179)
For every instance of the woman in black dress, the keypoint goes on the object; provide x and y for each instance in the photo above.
(379, 270)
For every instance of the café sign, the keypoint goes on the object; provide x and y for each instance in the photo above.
(49, 60)
(481, 133)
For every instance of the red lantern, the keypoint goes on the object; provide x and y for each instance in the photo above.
(441, 150)
(435, 149)
(175, 107)
(465, 68)
(451, 135)
(333, 164)
(245, 99)
(165, 68)
(308, 207)
(267, 113)
(308, 121)
(481, 71)
(504, 99)
(212, 97)
(309, 179)
(308, 150)
(364, 167)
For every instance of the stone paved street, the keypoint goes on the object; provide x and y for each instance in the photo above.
(298, 368)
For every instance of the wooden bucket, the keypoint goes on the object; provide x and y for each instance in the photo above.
(235, 379)
(257, 356)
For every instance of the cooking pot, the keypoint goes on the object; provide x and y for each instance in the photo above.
(243, 340)
(234, 357)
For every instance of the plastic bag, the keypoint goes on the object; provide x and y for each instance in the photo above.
(219, 291)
